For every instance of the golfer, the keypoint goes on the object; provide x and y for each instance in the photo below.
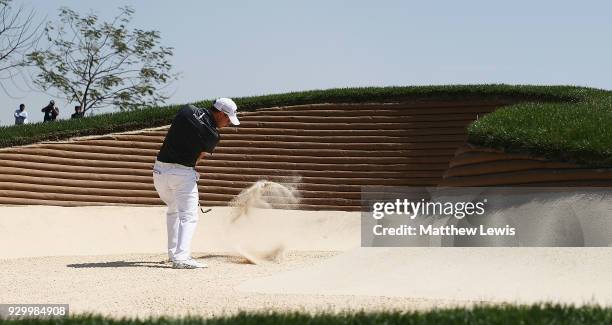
(193, 132)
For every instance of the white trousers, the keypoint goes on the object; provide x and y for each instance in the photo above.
(177, 187)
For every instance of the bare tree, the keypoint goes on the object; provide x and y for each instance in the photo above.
(19, 34)
(98, 64)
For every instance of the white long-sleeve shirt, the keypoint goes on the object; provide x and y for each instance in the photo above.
(21, 117)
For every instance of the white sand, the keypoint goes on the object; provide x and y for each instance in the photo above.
(32, 231)
(521, 275)
(140, 286)
(108, 260)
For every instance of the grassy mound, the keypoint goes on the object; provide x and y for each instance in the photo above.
(576, 131)
(559, 122)
(536, 314)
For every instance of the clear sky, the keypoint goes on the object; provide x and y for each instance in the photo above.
(242, 48)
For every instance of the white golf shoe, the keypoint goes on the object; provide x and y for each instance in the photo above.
(188, 264)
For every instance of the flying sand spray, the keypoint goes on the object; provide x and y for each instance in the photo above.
(251, 228)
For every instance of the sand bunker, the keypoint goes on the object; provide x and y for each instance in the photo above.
(517, 275)
(110, 230)
(254, 232)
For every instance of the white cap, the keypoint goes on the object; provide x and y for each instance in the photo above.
(228, 107)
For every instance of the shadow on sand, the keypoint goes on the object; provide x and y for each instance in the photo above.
(233, 259)
(113, 264)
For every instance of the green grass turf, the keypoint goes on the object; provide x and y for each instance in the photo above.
(575, 132)
(562, 123)
(509, 314)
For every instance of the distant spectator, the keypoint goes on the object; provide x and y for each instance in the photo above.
(78, 112)
(21, 116)
(51, 112)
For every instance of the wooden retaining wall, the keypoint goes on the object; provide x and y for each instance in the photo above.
(334, 149)
(478, 166)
